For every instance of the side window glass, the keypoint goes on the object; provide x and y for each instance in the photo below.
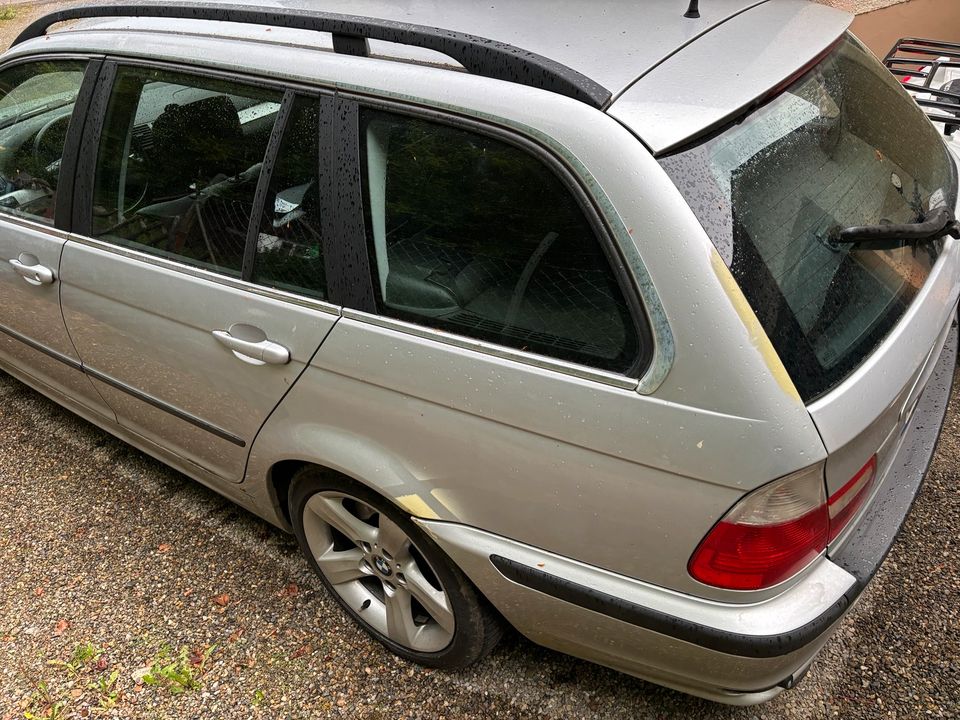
(475, 236)
(289, 253)
(36, 102)
(178, 165)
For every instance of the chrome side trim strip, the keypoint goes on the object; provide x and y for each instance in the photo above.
(460, 341)
(208, 275)
(123, 387)
(166, 407)
(7, 217)
(56, 355)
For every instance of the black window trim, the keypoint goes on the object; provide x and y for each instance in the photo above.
(63, 212)
(363, 272)
(326, 171)
(270, 155)
(82, 222)
(345, 244)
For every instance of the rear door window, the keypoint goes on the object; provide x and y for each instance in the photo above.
(179, 163)
(475, 236)
(289, 251)
(36, 104)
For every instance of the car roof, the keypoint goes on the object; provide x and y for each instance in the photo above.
(664, 76)
(611, 42)
(727, 72)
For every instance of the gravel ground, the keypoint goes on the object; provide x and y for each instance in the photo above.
(122, 582)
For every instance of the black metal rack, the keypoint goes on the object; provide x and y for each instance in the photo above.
(480, 56)
(921, 58)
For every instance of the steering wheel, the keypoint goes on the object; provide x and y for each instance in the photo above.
(520, 289)
(38, 141)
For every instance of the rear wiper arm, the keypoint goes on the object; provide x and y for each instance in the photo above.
(934, 225)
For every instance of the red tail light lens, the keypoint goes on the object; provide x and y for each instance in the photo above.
(768, 536)
(846, 501)
(777, 530)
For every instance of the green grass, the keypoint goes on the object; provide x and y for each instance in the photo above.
(106, 688)
(42, 706)
(83, 654)
(177, 673)
(7, 13)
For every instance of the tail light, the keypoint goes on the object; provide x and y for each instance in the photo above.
(777, 530)
(846, 501)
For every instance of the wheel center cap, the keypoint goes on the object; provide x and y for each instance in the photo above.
(382, 566)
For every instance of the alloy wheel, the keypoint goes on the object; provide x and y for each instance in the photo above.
(377, 570)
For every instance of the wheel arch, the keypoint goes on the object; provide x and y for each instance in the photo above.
(270, 473)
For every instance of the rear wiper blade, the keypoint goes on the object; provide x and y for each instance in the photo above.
(934, 224)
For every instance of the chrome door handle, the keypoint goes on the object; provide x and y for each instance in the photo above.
(34, 274)
(260, 352)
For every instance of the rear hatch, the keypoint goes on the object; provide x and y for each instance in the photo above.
(858, 326)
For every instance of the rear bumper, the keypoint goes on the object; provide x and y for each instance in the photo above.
(732, 653)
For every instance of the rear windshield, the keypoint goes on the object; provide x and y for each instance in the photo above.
(842, 146)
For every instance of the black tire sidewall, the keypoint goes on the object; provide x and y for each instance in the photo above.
(468, 638)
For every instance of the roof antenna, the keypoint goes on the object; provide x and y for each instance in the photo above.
(694, 10)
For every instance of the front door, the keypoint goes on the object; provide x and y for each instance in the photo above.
(193, 310)
(37, 101)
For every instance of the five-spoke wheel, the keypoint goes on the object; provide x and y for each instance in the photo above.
(376, 569)
(387, 574)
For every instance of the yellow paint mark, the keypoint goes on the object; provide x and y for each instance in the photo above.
(444, 497)
(416, 506)
(758, 336)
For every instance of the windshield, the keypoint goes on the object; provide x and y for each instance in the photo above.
(842, 146)
(38, 93)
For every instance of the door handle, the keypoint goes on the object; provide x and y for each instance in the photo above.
(255, 352)
(35, 274)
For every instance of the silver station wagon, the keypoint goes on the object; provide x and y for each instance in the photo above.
(629, 325)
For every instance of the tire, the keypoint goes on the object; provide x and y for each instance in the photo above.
(388, 576)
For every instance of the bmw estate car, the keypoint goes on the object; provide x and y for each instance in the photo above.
(630, 326)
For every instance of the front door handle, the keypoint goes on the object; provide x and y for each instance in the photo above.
(251, 345)
(32, 271)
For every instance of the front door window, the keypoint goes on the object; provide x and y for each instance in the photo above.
(36, 104)
(179, 163)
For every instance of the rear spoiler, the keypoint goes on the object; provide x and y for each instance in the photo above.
(915, 62)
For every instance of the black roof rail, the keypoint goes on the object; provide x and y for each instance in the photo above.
(480, 56)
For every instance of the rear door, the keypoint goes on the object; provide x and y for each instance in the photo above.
(42, 106)
(193, 311)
